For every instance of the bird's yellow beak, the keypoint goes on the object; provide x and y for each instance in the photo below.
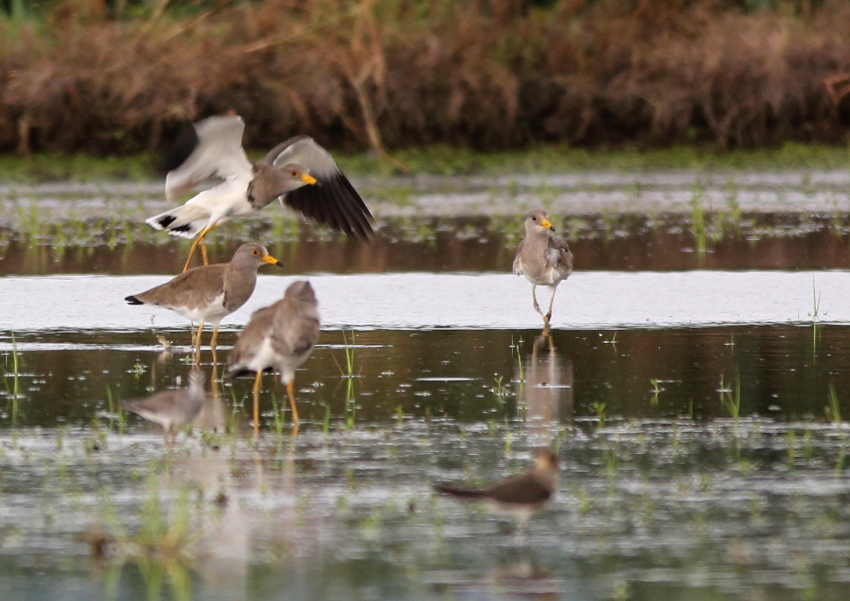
(271, 260)
(308, 179)
(547, 224)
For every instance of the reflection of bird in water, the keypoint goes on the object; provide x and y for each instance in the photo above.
(547, 388)
(165, 354)
(172, 409)
(524, 578)
(543, 258)
(521, 495)
(208, 294)
(298, 170)
(213, 415)
(281, 337)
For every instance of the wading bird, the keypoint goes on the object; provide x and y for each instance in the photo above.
(281, 337)
(543, 258)
(521, 495)
(299, 171)
(208, 294)
(172, 409)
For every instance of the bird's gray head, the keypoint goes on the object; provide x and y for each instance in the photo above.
(538, 221)
(269, 182)
(253, 255)
(301, 292)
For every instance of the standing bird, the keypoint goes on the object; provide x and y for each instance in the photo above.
(299, 170)
(520, 495)
(207, 294)
(172, 409)
(543, 258)
(280, 336)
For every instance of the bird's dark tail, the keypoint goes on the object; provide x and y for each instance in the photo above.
(462, 493)
(132, 300)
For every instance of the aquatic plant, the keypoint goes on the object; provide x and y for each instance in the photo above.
(117, 416)
(791, 443)
(278, 415)
(730, 398)
(833, 410)
(599, 410)
(13, 388)
(698, 224)
(656, 390)
(162, 546)
(815, 315)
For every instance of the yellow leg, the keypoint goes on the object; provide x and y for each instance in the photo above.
(212, 345)
(290, 390)
(199, 240)
(203, 244)
(258, 382)
(198, 344)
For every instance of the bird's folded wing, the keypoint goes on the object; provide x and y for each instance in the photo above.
(334, 201)
(518, 258)
(250, 340)
(523, 488)
(565, 261)
(294, 334)
(218, 153)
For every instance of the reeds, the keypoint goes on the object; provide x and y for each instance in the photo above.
(398, 73)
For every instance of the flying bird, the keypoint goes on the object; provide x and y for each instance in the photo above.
(299, 171)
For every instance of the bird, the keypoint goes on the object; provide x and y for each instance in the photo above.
(521, 495)
(299, 170)
(172, 409)
(280, 336)
(543, 258)
(207, 294)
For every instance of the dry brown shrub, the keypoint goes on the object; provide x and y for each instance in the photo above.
(484, 73)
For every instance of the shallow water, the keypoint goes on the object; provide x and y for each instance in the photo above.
(693, 386)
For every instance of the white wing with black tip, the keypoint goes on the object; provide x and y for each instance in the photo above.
(218, 154)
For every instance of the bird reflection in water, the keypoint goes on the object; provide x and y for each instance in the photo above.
(545, 388)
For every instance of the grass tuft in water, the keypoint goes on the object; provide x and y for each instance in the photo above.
(833, 409)
(599, 410)
(815, 315)
(656, 390)
(13, 388)
(698, 222)
(730, 398)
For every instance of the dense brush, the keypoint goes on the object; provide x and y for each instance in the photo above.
(484, 73)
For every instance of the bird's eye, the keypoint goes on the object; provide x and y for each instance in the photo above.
(534, 218)
(255, 252)
(294, 173)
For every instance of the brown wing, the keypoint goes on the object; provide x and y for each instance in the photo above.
(517, 259)
(565, 260)
(296, 328)
(524, 488)
(250, 341)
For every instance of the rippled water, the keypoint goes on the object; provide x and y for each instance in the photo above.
(694, 387)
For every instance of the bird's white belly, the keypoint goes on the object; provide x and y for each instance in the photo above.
(541, 277)
(212, 312)
(225, 201)
(263, 357)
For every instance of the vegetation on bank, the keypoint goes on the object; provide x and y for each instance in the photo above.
(445, 160)
(119, 76)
